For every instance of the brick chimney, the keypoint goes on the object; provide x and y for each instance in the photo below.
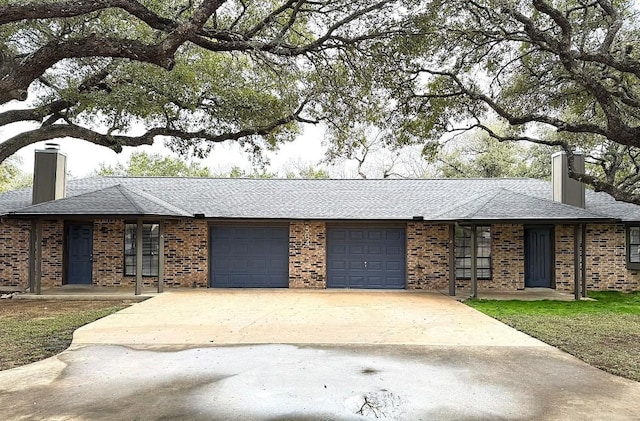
(565, 189)
(49, 174)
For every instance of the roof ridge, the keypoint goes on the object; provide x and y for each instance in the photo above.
(126, 193)
(156, 200)
(461, 203)
(488, 199)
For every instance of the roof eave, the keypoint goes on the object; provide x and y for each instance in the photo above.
(533, 221)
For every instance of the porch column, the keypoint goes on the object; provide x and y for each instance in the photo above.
(577, 233)
(138, 289)
(584, 261)
(452, 260)
(161, 257)
(474, 264)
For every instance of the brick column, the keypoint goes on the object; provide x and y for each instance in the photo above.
(427, 256)
(307, 254)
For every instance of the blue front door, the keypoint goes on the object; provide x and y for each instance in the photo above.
(537, 257)
(79, 254)
(366, 257)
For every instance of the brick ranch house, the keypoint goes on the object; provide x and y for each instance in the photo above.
(498, 234)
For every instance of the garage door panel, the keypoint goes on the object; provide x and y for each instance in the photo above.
(397, 282)
(393, 266)
(249, 257)
(374, 250)
(373, 235)
(356, 235)
(373, 265)
(338, 265)
(341, 282)
(395, 235)
(277, 266)
(357, 249)
(383, 250)
(356, 265)
(395, 251)
(257, 264)
(357, 282)
(338, 249)
(338, 235)
(375, 281)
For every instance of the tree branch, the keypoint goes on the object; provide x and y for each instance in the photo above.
(116, 142)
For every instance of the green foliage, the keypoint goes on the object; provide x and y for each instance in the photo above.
(308, 172)
(252, 73)
(313, 173)
(481, 156)
(237, 172)
(11, 177)
(141, 164)
(559, 73)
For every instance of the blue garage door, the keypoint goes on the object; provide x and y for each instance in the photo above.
(249, 257)
(366, 258)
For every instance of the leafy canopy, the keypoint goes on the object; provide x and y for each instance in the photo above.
(190, 72)
(141, 164)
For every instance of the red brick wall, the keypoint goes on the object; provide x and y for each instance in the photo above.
(52, 253)
(307, 255)
(564, 255)
(507, 257)
(607, 261)
(186, 256)
(108, 253)
(14, 253)
(427, 256)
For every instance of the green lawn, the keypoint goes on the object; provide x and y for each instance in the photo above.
(31, 330)
(604, 333)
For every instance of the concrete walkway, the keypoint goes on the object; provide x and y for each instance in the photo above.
(224, 317)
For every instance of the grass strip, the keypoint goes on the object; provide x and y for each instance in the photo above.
(604, 333)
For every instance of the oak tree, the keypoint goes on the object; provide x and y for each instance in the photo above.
(564, 73)
(193, 72)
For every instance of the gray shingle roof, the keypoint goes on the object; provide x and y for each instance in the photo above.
(445, 199)
(114, 200)
(502, 204)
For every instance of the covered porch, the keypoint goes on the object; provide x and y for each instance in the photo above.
(75, 229)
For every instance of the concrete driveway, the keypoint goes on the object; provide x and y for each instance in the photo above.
(229, 317)
(310, 355)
